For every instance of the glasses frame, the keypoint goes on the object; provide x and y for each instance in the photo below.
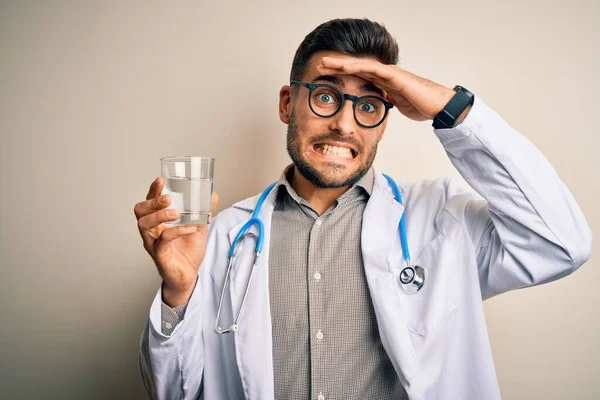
(344, 96)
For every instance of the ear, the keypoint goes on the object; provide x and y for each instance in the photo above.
(285, 103)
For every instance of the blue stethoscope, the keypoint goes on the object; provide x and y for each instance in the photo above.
(412, 277)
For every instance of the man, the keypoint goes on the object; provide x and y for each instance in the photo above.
(328, 314)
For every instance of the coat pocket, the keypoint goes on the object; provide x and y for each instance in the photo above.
(429, 308)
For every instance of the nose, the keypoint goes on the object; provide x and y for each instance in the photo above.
(343, 122)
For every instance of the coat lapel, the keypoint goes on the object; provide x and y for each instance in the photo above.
(253, 342)
(383, 259)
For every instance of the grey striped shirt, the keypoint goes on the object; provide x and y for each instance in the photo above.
(326, 343)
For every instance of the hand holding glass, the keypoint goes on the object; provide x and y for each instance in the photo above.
(177, 251)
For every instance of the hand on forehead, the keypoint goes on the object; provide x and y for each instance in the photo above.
(329, 63)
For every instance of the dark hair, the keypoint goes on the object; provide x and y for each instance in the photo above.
(356, 37)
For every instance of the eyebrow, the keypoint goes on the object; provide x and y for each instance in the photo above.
(368, 87)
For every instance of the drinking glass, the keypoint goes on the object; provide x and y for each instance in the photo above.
(189, 181)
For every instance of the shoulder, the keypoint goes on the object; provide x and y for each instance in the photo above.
(438, 197)
(441, 189)
(239, 212)
(228, 218)
(432, 191)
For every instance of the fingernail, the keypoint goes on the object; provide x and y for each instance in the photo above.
(171, 213)
(162, 199)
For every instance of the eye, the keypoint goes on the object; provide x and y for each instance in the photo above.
(326, 98)
(367, 107)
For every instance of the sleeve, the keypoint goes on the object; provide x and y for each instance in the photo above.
(526, 227)
(163, 357)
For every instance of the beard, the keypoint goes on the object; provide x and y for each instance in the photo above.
(326, 179)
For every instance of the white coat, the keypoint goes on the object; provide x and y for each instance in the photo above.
(526, 230)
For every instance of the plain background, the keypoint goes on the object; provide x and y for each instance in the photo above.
(92, 94)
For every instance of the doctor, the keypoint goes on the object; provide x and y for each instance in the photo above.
(327, 315)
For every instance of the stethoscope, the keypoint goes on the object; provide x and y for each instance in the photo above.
(412, 277)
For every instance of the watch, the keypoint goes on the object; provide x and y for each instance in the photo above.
(457, 104)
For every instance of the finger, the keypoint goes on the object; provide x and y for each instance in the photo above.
(343, 63)
(336, 62)
(365, 75)
(170, 234)
(376, 80)
(381, 71)
(144, 208)
(151, 221)
(155, 188)
(213, 209)
(215, 201)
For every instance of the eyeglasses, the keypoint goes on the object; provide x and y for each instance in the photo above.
(326, 100)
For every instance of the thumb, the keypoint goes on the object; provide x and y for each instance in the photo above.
(213, 207)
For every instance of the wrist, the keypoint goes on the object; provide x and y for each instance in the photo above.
(444, 98)
(176, 297)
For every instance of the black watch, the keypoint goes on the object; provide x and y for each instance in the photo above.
(457, 104)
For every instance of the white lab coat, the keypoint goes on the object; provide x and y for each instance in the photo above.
(528, 230)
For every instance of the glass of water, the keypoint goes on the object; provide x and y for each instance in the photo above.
(189, 182)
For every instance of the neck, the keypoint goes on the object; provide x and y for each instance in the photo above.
(319, 198)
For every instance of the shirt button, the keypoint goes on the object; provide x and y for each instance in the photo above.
(317, 276)
(321, 397)
(168, 325)
(319, 221)
(320, 335)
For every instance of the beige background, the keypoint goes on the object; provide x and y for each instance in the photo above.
(92, 94)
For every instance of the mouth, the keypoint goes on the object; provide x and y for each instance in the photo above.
(335, 150)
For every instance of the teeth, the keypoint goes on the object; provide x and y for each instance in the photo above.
(343, 152)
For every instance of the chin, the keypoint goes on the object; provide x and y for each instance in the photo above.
(329, 174)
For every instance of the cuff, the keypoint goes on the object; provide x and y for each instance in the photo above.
(160, 316)
(170, 317)
(470, 124)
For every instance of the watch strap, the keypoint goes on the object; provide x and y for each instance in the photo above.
(457, 104)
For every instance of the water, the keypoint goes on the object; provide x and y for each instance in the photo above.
(192, 197)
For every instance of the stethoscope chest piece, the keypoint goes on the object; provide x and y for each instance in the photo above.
(412, 279)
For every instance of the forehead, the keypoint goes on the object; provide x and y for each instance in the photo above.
(311, 68)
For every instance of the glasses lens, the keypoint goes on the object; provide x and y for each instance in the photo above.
(325, 101)
(370, 111)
